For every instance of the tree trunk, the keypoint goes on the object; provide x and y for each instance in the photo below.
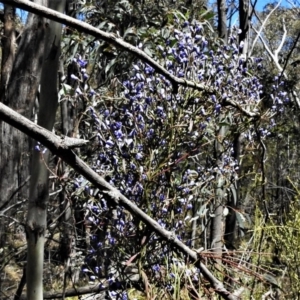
(39, 183)
(8, 48)
(222, 20)
(20, 94)
(244, 22)
(217, 228)
(7, 59)
(234, 201)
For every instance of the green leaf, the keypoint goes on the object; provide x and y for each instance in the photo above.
(240, 219)
(148, 51)
(65, 90)
(272, 280)
(234, 194)
(130, 31)
(109, 65)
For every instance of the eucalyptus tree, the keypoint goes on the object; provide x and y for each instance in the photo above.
(20, 95)
(36, 223)
(35, 64)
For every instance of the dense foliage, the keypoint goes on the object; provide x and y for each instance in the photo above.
(172, 150)
(157, 146)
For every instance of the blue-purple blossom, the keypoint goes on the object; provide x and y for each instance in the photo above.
(156, 268)
(157, 146)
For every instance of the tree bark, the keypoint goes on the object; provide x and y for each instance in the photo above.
(39, 183)
(20, 95)
(244, 22)
(222, 19)
(8, 48)
(7, 59)
(217, 225)
(234, 201)
(217, 228)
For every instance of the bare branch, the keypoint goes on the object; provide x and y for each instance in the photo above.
(282, 40)
(273, 57)
(243, 110)
(262, 27)
(83, 290)
(290, 54)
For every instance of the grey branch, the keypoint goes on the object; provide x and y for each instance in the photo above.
(115, 195)
(71, 143)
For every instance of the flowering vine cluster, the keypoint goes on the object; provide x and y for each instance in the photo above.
(158, 148)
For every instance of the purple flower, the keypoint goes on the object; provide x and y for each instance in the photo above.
(156, 268)
(217, 108)
(139, 156)
(189, 206)
(82, 63)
